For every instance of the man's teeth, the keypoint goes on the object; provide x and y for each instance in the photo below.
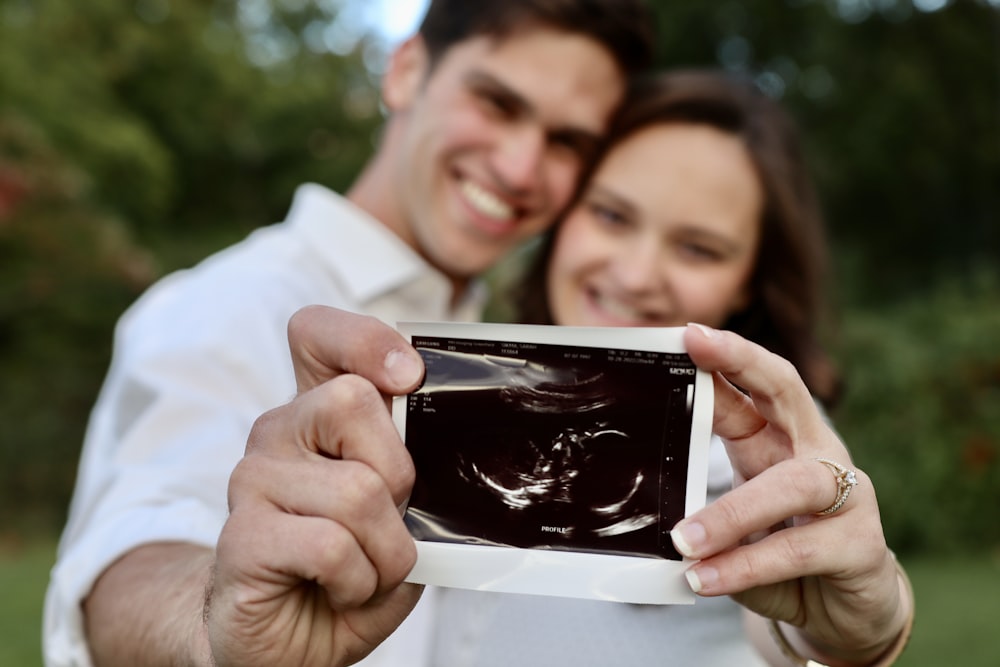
(486, 202)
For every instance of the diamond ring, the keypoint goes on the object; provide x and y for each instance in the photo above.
(846, 478)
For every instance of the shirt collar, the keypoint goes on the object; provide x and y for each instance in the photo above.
(367, 259)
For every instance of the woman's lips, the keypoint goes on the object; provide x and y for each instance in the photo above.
(620, 313)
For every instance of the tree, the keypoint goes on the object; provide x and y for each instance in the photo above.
(900, 111)
(135, 138)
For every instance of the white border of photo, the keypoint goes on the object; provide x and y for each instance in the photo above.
(565, 573)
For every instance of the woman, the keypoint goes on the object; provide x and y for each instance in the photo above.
(705, 179)
(701, 211)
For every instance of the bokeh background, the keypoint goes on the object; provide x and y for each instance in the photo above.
(137, 136)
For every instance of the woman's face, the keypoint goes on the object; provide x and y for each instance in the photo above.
(666, 233)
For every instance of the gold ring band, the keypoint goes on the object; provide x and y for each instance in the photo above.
(846, 478)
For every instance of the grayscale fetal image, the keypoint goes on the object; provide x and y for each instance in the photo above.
(549, 446)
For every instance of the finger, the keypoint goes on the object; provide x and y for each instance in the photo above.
(794, 488)
(327, 342)
(347, 494)
(778, 394)
(734, 414)
(745, 432)
(839, 548)
(771, 417)
(274, 552)
(344, 418)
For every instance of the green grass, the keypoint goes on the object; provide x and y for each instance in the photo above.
(958, 604)
(24, 574)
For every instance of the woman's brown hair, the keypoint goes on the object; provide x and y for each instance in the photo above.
(788, 304)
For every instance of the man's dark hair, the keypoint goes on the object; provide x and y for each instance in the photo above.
(623, 27)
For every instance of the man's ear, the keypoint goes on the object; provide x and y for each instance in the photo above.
(405, 74)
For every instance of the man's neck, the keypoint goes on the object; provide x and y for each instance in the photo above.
(376, 192)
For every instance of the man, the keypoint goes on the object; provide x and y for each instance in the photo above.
(495, 108)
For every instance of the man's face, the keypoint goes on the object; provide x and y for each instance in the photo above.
(493, 141)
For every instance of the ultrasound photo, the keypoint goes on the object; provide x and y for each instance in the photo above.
(543, 445)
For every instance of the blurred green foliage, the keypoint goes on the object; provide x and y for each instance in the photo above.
(922, 412)
(136, 137)
(68, 270)
(901, 116)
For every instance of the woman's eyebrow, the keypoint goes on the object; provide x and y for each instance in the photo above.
(701, 234)
(605, 194)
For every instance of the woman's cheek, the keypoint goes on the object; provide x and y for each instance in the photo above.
(709, 300)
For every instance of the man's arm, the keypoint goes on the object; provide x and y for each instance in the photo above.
(148, 607)
(310, 563)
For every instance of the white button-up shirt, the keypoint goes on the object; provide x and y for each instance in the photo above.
(204, 352)
(196, 360)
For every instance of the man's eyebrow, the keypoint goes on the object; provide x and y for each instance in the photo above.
(587, 139)
(481, 80)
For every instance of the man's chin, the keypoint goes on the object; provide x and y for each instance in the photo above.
(466, 270)
(469, 258)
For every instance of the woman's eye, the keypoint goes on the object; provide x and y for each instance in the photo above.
(608, 214)
(701, 252)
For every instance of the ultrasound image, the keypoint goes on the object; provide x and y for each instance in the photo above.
(549, 446)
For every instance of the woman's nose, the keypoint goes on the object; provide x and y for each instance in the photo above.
(639, 266)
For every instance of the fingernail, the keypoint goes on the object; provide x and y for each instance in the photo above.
(402, 368)
(708, 332)
(700, 577)
(688, 537)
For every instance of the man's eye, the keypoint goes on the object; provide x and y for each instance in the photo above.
(583, 147)
(497, 104)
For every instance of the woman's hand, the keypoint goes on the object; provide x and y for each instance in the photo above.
(764, 542)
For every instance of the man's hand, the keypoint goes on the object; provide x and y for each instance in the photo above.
(310, 564)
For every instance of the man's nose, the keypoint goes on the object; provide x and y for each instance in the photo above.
(519, 157)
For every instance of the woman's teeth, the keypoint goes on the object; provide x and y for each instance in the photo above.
(618, 309)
